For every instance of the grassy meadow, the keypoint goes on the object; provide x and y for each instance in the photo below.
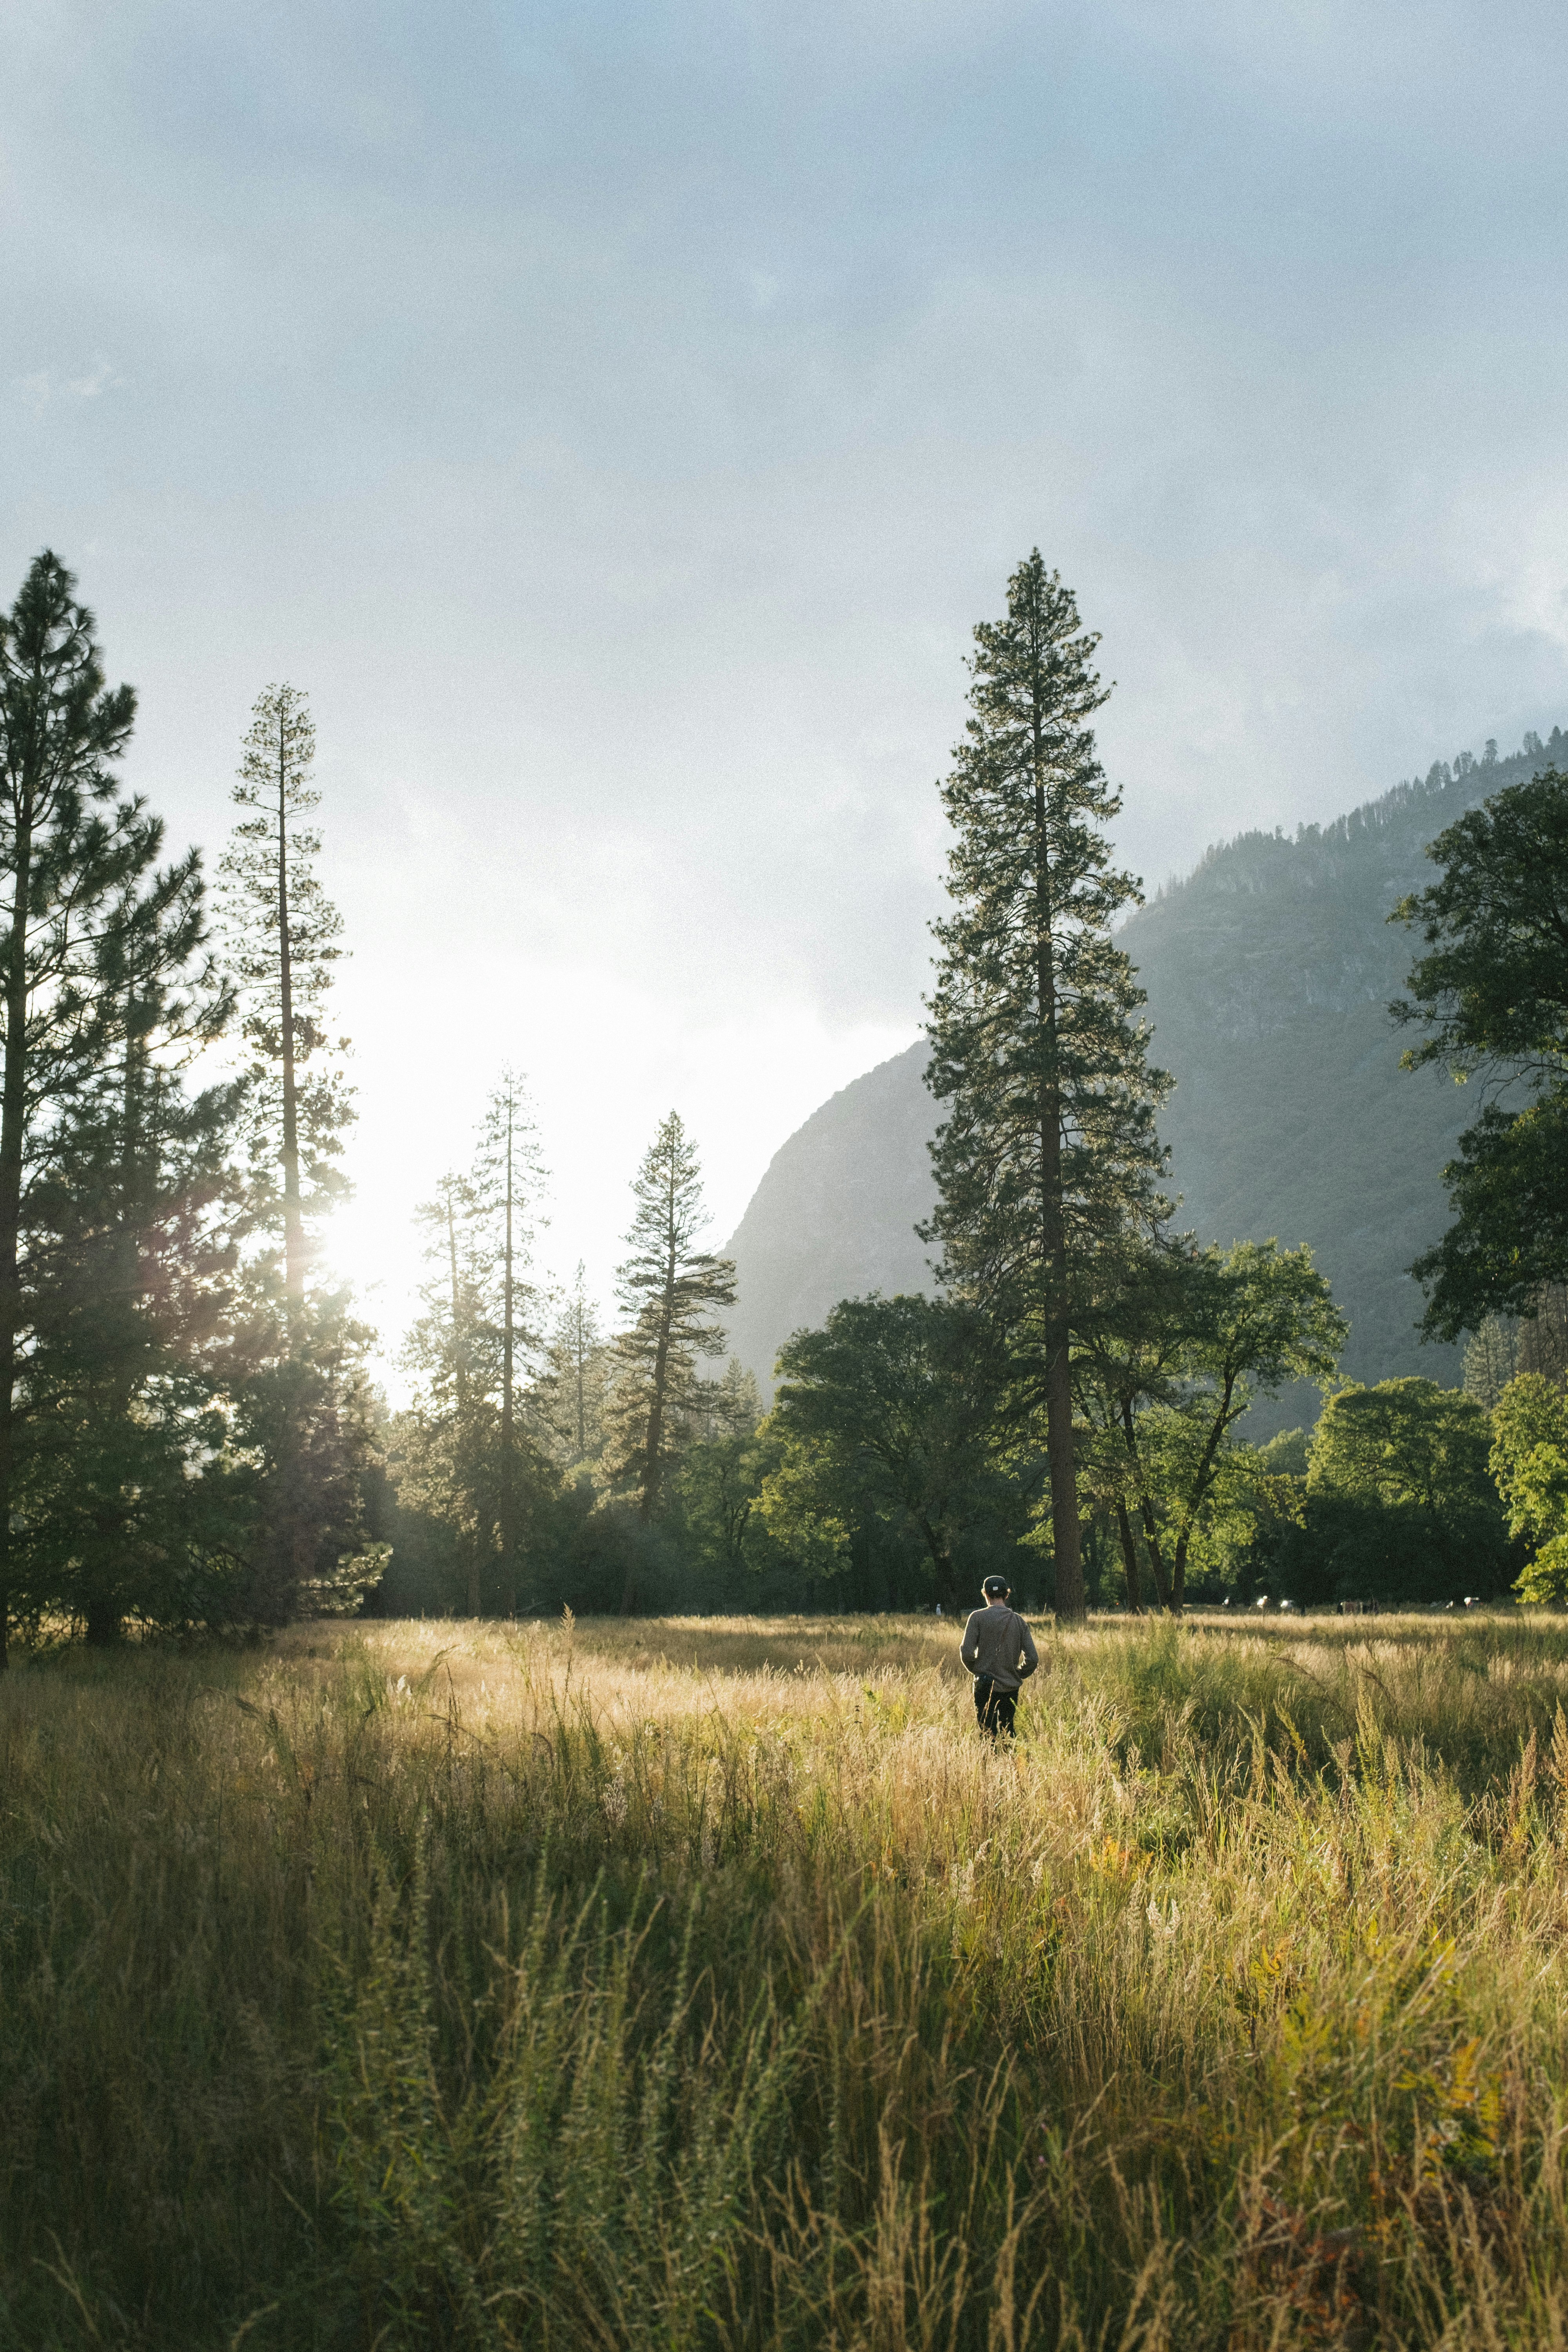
(689, 1984)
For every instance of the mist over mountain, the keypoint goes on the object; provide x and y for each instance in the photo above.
(1268, 970)
(835, 1214)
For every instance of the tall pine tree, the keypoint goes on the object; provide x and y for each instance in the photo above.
(507, 1179)
(669, 1287)
(450, 1443)
(126, 1508)
(468, 1459)
(1049, 1146)
(284, 936)
(79, 895)
(307, 1393)
(573, 1392)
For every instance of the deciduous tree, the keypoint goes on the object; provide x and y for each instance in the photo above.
(1207, 1331)
(1529, 1463)
(1400, 1502)
(720, 1477)
(1492, 993)
(1145, 1308)
(900, 1395)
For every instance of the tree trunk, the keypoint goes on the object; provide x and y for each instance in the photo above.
(653, 1463)
(1130, 1559)
(460, 1384)
(654, 1449)
(13, 1129)
(288, 1436)
(1059, 1450)
(103, 1620)
(508, 1499)
(941, 1563)
(293, 1221)
(1145, 1508)
(1064, 1531)
(1201, 1486)
(1156, 1557)
(102, 1615)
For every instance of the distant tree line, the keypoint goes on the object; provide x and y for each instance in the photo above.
(189, 1436)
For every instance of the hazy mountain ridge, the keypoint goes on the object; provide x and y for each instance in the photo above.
(836, 1211)
(1268, 971)
(1272, 925)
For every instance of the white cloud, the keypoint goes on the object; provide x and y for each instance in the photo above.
(45, 386)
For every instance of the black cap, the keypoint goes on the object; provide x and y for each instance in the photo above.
(996, 1587)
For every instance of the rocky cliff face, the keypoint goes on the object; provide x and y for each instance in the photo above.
(1269, 972)
(835, 1214)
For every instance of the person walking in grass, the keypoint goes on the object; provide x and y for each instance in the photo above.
(999, 1651)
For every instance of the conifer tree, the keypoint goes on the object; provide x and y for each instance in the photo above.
(669, 1287)
(305, 1424)
(125, 1505)
(284, 934)
(730, 1407)
(576, 1378)
(1049, 1147)
(720, 1478)
(452, 1345)
(508, 1176)
(468, 1459)
(309, 1400)
(1491, 1360)
(80, 899)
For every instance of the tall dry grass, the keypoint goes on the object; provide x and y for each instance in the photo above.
(710, 1984)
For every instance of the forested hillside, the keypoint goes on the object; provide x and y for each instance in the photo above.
(1270, 969)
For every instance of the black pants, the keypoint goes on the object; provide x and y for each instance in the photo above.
(994, 1707)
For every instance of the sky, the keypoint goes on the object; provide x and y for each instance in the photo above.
(616, 418)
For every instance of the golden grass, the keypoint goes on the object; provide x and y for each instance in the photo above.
(710, 1982)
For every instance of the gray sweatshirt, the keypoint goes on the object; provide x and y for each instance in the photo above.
(998, 1643)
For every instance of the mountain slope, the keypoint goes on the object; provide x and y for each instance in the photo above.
(835, 1214)
(1268, 971)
